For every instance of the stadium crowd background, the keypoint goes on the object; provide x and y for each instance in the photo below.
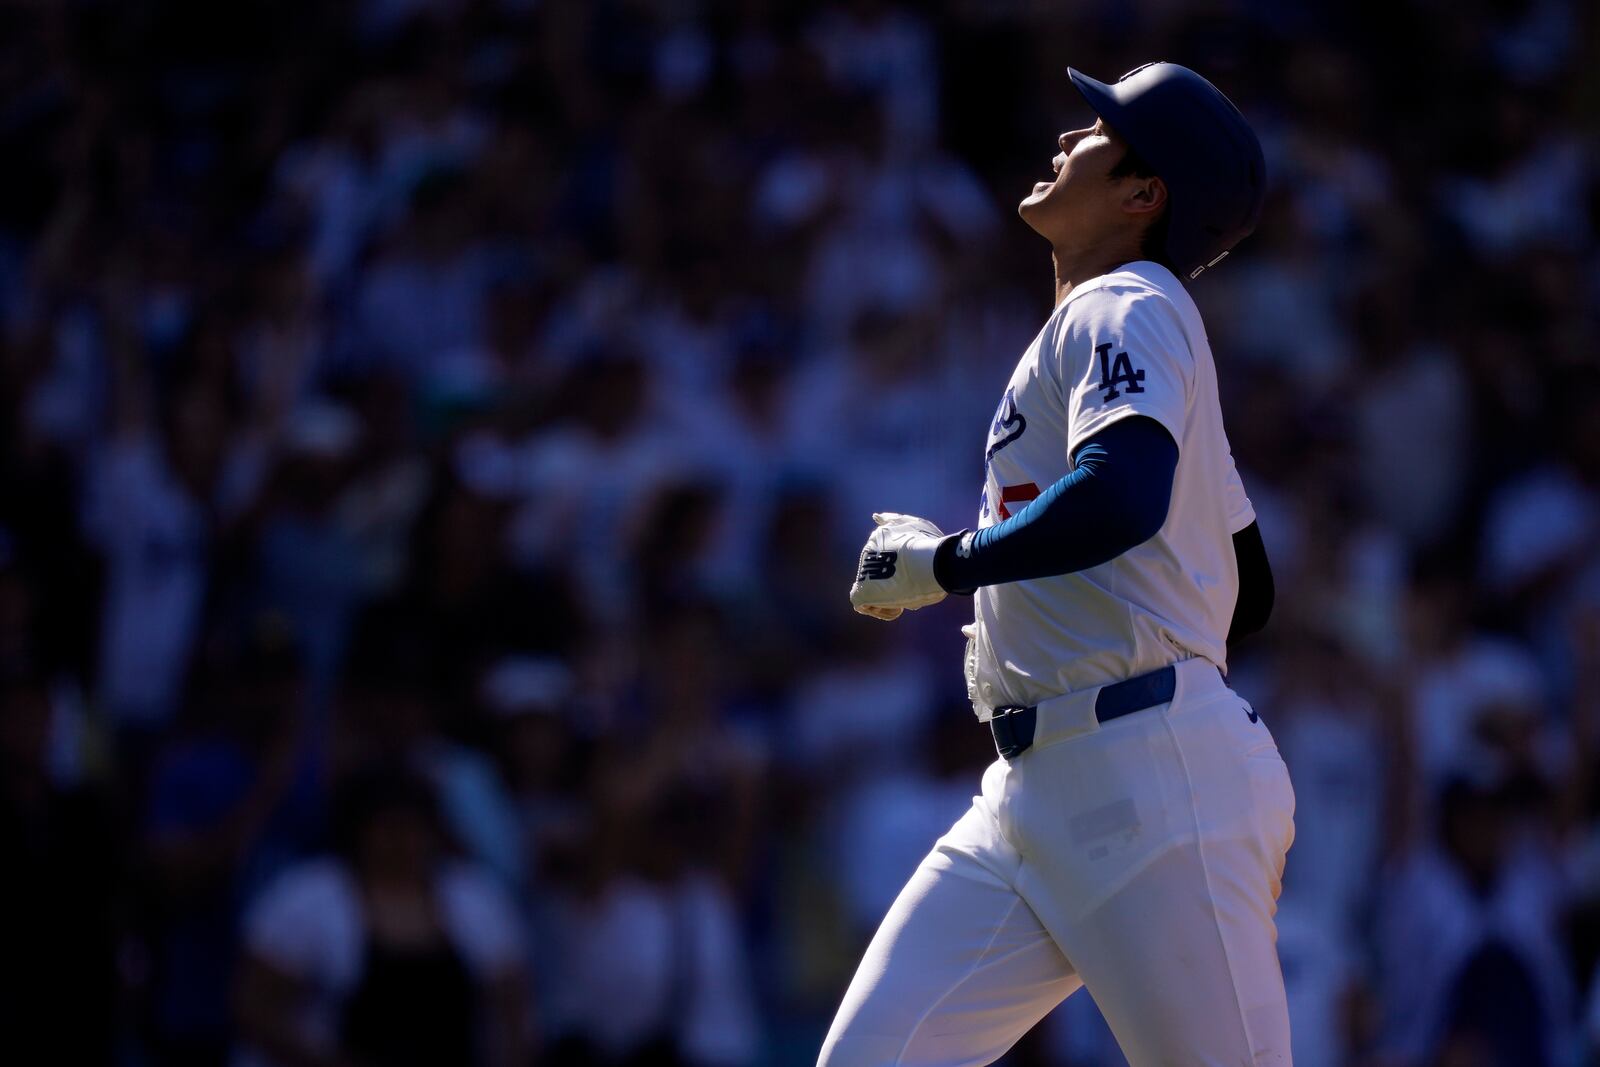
(437, 435)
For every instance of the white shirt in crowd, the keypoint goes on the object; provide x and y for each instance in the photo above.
(309, 924)
(646, 960)
(1430, 925)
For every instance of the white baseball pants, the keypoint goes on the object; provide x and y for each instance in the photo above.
(1141, 858)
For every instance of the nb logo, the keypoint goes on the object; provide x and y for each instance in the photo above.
(876, 566)
(1117, 370)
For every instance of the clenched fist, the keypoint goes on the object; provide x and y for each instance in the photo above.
(896, 567)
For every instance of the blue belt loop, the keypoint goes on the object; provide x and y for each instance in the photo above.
(1136, 694)
(1013, 727)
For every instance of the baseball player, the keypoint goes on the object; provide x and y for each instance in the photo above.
(1131, 837)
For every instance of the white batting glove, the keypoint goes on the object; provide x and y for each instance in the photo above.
(896, 567)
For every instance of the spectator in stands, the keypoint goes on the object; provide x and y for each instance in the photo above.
(1468, 938)
(386, 951)
(232, 797)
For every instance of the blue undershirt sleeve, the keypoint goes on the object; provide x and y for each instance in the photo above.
(1115, 498)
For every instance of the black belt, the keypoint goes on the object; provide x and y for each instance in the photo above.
(1013, 726)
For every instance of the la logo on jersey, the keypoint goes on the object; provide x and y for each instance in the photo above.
(1117, 370)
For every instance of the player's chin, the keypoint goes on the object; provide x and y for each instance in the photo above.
(1035, 207)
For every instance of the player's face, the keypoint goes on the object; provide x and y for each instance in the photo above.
(1080, 203)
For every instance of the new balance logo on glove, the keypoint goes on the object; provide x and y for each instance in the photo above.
(876, 566)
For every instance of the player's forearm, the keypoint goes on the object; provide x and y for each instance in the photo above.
(1115, 499)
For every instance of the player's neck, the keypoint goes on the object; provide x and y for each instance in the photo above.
(1074, 266)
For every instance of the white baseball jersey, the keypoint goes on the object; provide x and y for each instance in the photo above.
(1126, 343)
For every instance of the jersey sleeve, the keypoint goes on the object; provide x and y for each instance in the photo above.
(1123, 353)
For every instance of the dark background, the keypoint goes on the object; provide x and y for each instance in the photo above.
(435, 437)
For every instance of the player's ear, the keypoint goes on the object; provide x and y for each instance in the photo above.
(1145, 196)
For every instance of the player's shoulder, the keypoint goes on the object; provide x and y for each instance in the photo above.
(1142, 298)
(1134, 290)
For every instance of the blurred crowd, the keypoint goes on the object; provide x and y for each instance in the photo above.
(435, 436)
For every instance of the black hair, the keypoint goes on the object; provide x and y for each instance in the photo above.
(372, 792)
(1153, 242)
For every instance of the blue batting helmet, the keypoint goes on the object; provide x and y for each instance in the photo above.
(1199, 144)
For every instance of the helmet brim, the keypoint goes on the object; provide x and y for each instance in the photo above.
(1107, 103)
(1100, 96)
